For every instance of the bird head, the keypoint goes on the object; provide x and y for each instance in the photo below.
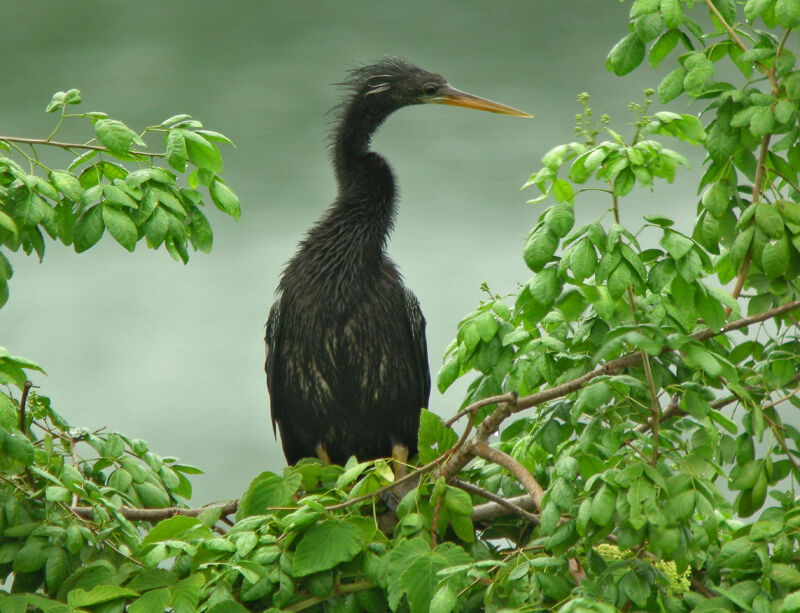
(396, 83)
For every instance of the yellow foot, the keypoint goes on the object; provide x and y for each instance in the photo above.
(322, 454)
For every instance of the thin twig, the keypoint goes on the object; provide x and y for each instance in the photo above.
(505, 503)
(133, 514)
(490, 510)
(755, 197)
(26, 387)
(479, 404)
(68, 146)
(347, 588)
(735, 38)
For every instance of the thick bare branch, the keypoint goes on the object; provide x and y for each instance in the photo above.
(491, 510)
(503, 505)
(482, 450)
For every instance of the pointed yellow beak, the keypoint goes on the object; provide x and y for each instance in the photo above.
(454, 97)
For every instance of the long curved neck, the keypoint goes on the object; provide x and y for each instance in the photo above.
(363, 213)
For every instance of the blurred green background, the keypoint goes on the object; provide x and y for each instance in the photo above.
(174, 354)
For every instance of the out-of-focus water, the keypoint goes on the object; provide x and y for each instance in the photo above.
(174, 354)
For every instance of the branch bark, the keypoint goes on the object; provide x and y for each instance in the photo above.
(498, 503)
(159, 514)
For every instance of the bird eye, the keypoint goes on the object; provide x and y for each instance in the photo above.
(430, 89)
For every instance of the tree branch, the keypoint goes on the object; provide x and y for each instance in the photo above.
(461, 457)
(68, 146)
(491, 510)
(158, 514)
(483, 512)
(26, 388)
(482, 450)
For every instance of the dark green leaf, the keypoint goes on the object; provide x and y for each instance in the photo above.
(88, 229)
(626, 55)
(325, 545)
(539, 248)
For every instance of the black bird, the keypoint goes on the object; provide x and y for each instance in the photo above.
(347, 364)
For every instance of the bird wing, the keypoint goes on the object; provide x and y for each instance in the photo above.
(271, 341)
(417, 326)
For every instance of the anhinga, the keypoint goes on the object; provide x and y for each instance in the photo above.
(347, 364)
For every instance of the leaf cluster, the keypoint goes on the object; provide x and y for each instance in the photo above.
(113, 184)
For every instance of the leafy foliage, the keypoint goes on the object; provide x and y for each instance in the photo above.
(658, 471)
(113, 184)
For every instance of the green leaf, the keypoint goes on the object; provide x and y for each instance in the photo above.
(676, 244)
(419, 581)
(120, 226)
(267, 490)
(786, 12)
(560, 218)
(156, 228)
(562, 191)
(176, 150)
(457, 501)
(67, 184)
(624, 182)
(753, 8)
(790, 211)
(583, 259)
(114, 135)
(703, 358)
(603, 505)
(661, 48)
(444, 600)
(88, 229)
(788, 577)
(174, 526)
(326, 545)
(672, 13)
(775, 258)
(185, 594)
(769, 219)
(200, 151)
(648, 27)
(32, 556)
(97, 595)
(462, 526)
(154, 600)
(224, 198)
(716, 198)
(762, 121)
(626, 55)
(201, 231)
(539, 248)
(635, 587)
(671, 85)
